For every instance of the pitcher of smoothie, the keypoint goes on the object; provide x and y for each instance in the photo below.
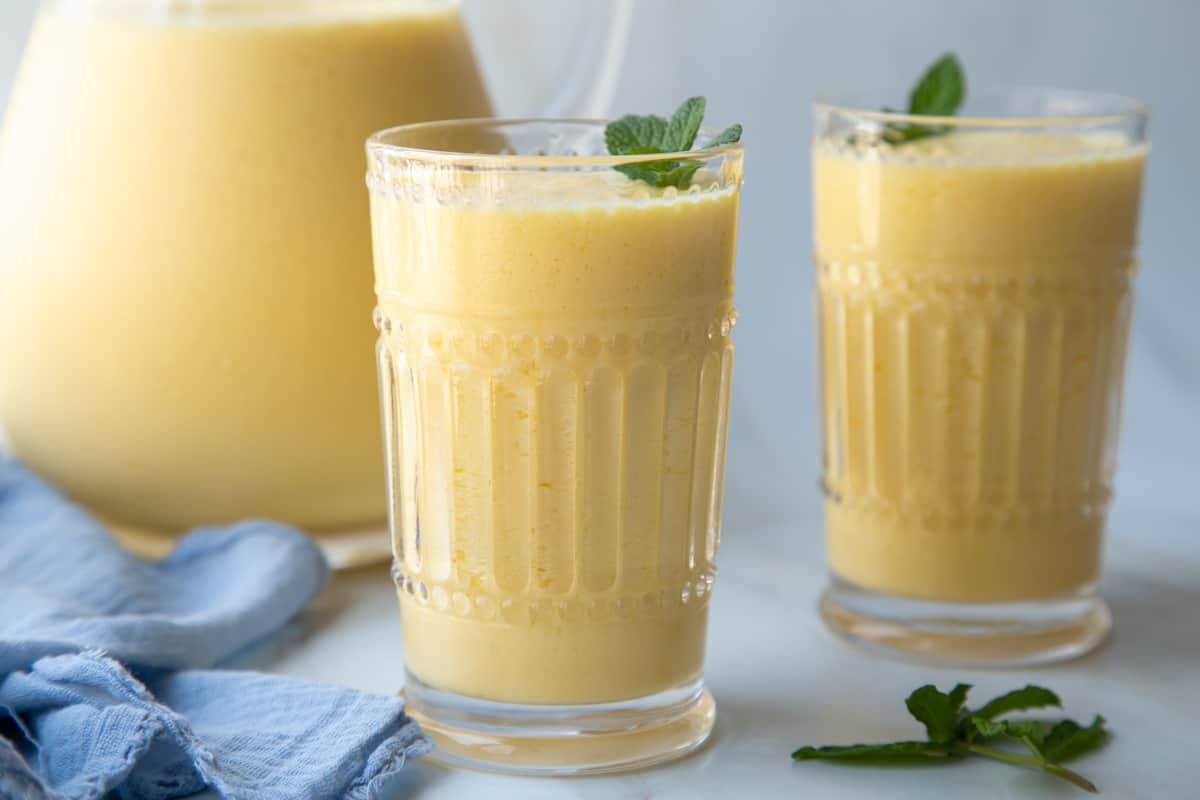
(185, 257)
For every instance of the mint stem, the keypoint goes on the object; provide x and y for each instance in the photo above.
(1037, 763)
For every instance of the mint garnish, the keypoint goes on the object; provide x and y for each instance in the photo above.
(938, 711)
(939, 93)
(1019, 700)
(638, 135)
(955, 731)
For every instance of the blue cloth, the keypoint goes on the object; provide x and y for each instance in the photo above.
(107, 686)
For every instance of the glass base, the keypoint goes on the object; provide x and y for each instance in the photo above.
(562, 740)
(966, 634)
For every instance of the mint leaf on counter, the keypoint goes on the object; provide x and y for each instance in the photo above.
(938, 711)
(641, 135)
(872, 752)
(1068, 740)
(1018, 700)
(954, 731)
(1028, 733)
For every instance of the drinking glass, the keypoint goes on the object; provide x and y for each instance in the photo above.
(974, 290)
(554, 360)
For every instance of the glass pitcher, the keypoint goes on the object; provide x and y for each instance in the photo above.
(185, 257)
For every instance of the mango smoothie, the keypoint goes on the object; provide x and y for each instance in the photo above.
(974, 303)
(185, 266)
(555, 371)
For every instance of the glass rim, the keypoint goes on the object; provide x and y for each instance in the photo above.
(1127, 108)
(378, 143)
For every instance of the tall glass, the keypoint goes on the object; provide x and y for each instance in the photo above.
(974, 304)
(554, 361)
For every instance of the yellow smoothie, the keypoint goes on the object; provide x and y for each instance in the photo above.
(974, 294)
(556, 373)
(185, 267)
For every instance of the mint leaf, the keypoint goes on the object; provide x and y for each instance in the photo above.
(661, 173)
(647, 172)
(1031, 734)
(939, 93)
(639, 135)
(958, 695)
(871, 752)
(631, 132)
(728, 136)
(938, 711)
(684, 125)
(1036, 761)
(1028, 733)
(680, 176)
(941, 90)
(1018, 700)
(1068, 739)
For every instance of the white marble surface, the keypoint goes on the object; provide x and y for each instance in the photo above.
(780, 680)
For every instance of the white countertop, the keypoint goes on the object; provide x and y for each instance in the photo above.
(780, 680)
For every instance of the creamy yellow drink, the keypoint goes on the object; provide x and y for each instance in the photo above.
(185, 267)
(974, 297)
(556, 373)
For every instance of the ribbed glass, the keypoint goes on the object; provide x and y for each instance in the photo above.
(974, 299)
(555, 363)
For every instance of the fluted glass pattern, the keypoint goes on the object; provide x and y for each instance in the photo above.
(963, 411)
(559, 475)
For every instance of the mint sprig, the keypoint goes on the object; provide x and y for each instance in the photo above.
(939, 93)
(955, 731)
(938, 711)
(1019, 700)
(635, 134)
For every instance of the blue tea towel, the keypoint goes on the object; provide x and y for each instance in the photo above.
(106, 667)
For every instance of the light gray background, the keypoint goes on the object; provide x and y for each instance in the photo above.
(761, 61)
(778, 679)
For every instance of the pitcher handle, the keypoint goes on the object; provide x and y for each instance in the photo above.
(591, 77)
(584, 80)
